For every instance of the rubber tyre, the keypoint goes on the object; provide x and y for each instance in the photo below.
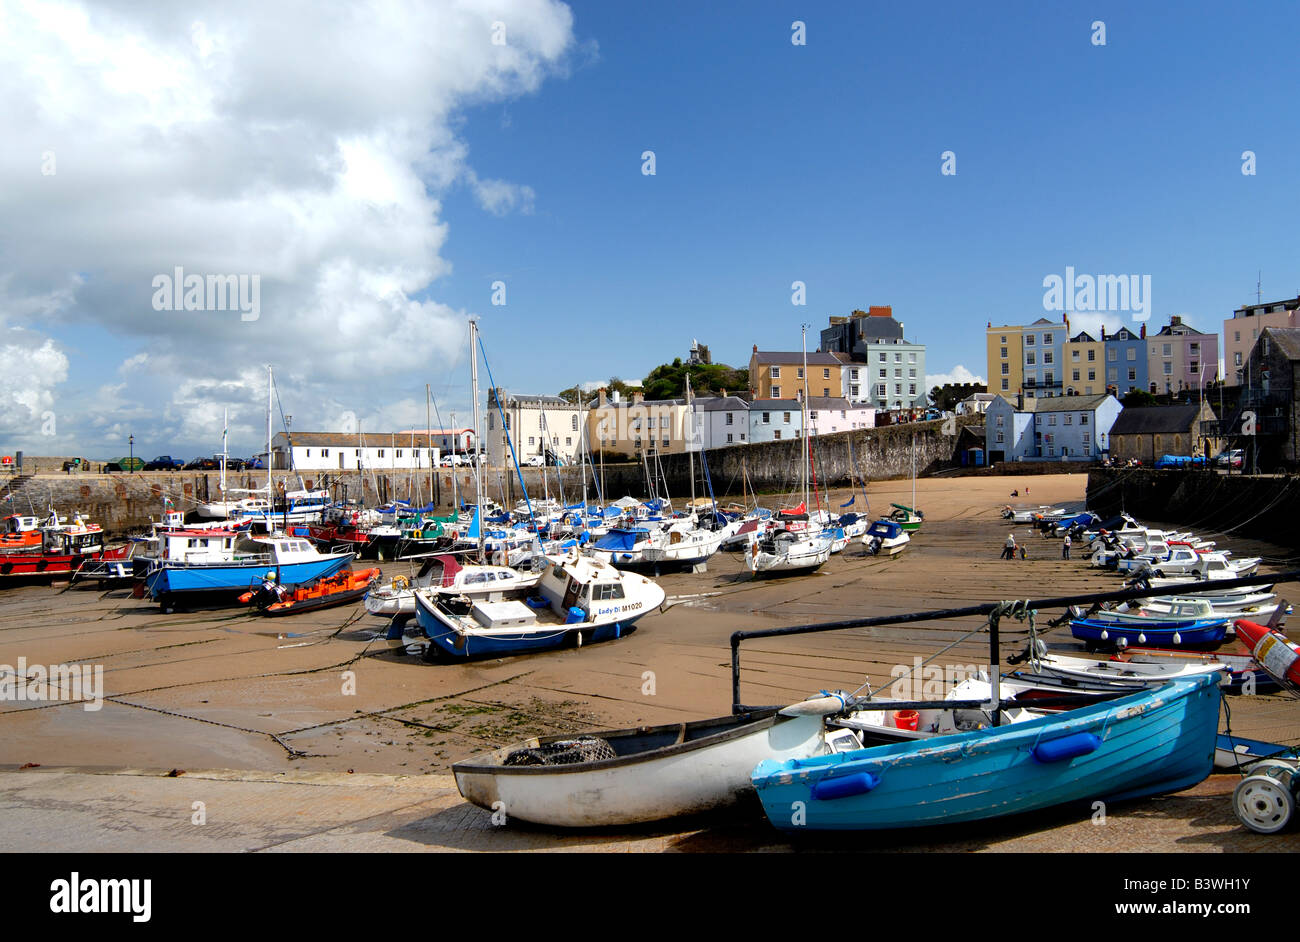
(1263, 804)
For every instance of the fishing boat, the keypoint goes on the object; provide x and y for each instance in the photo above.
(1273, 651)
(576, 600)
(64, 548)
(21, 533)
(328, 592)
(209, 564)
(1108, 630)
(1149, 742)
(1243, 673)
(885, 538)
(1122, 669)
(445, 572)
(1233, 753)
(780, 550)
(633, 776)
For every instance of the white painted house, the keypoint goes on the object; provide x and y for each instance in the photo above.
(834, 414)
(534, 425)
(348, 451)
(1069, 428)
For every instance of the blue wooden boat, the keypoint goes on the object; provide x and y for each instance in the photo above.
(1232, 753)
(1147, 743)
(1172, 633)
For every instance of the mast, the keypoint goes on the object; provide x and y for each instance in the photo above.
(803, 417)
(913, 471)
(225, 428)
(270, 494)
(690, 405)
(478, 465)
(428, 442)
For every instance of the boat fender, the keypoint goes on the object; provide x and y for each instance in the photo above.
(845, 786)
(1178, 638)
(1105, 635)
(1142, 638)
(1067, 747)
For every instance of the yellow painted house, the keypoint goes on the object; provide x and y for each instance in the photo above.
(1005, 359)
(1083, 365)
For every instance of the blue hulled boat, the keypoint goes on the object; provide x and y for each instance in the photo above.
(1174, 633)
(1148, 743)
(209, 565)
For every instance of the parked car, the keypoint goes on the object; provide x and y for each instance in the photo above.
(254, 464)
(1232, 458)
(451, 461)
(165, 463)
(236, 464)
(1180, 461)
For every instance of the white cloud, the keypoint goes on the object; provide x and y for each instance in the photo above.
(309, 147)
(957, 375)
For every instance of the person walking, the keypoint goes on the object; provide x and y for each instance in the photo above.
(1009, 550)
(1065, 547)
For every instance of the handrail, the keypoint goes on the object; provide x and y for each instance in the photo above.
(987, 608)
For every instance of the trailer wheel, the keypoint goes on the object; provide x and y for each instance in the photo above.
(1263, 804)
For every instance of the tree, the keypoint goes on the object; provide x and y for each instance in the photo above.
(1138, 398)
(946, 397)
(668, 381)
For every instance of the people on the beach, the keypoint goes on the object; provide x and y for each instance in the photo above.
(1065, 547)
(1009, 550)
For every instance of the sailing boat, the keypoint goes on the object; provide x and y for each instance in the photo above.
(795, 544)
(909, 518)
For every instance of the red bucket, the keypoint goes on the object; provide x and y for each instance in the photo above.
(907, 719)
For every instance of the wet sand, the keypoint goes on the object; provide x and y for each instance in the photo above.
(224, 689)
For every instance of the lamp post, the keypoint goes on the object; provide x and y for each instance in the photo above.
(131, 461)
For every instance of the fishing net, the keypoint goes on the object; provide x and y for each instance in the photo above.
(563, 752)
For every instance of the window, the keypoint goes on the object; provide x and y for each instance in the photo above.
(1131, 354)
(1029, 360)
(853, 374)
(1069, 419)
(1006, 386)
(898, 389)
(1000, 438)
(729, 438)
(1029, 340)
(663, 421)
(1004, 353)
(1236, 359)
(884, 373)
(1168, 349)
(826, 373)
(898, 373)
(1003, 340)
(575, 422)
(776, 435)
(568, 441)
(881, 391)
(787, 418)
(1087, 436)
(1169, 368)
(1112, 375)
(1047, 338)
(911, 358)
(665, 443)
(308, 452)
(1047, 356)
(1132, 375)
(1075, 376)
(1047, 379)
(767, 417)
(1194, 349)
(1112, 354)
(1193, 367)
(1237, 336)
(381, 453)
(1051, 420)
(399, 453)
(911, 389)
(853, 391)
(1006, 368)
(1092, 374)
(1092, 355)
(776, 372)
(532, 439)
(776, 392)
(911, 374)
(999, 422)
(883, 357)
(1083, 420)
(730, 416)
(799, 373)
(1074, 354)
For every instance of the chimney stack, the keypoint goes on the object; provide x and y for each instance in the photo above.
(1142, 331)
(637, 397)
(601, 398)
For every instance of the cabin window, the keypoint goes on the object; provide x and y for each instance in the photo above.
(602, 592)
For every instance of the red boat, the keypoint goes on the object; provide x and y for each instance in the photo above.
(63, 551)
(20, 534)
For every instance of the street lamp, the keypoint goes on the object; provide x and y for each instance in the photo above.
(131, 460)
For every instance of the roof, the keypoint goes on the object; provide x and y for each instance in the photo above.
(981, 397)
(834, 402)
(780, 358)
(1155, 420)
(1083, 337)
(365, 439)
(720, 404)
(773, 405)
(1287, 340)
(1059, 403)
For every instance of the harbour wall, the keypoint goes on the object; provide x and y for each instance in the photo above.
(125, 502)
(1261, 507)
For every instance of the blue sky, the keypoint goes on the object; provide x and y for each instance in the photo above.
(774, 163)
(821, 163)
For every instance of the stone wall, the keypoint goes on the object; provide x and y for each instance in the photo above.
(124, 502)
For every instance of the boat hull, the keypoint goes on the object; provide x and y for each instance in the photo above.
(707, 771)
(171, 582)
(1151, 742)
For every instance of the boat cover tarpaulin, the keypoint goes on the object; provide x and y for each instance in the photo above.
(620, 540)
(849, 502)
(795, 511)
